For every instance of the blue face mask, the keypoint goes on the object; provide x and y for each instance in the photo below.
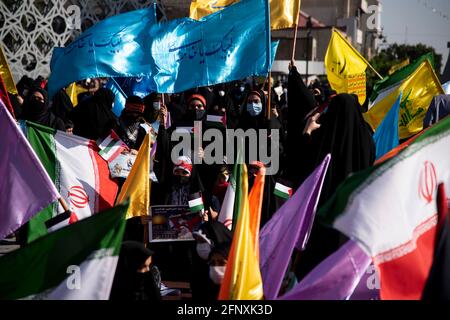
(254, 108)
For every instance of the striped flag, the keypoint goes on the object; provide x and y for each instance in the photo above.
(195, 202)
(282, 191)
(111, 147)
(390, 210)
(216, 121)
(79, 173)
(25, 186)
(242, 279)
(74, 263)
(61, 220)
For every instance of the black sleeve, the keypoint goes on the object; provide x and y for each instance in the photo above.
(162, 162)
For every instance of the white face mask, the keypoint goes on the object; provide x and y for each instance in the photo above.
(216, 274)
(203, 250)
(221, 93)
(156, 105)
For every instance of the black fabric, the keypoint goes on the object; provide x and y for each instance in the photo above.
(39, 112)
(300, 157)
(130, 131)
(348, 138)
(345, 134)
(93, 118)
(61, 105)
(217, 233)
(16, 105)
(128, 283)
(437, 287)
(150, 114)
(24, 85)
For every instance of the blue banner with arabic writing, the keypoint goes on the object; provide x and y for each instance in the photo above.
(228, 45)
(118, 46)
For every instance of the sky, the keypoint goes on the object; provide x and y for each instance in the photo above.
(414, 21)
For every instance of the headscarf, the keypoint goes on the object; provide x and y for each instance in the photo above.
(61, 105)
(345, 134)
(128, 283)
(150, 114)
(216, 233)
(439, 109)
(246, 121)
(38, 112)
(348, 138)
(93, 118)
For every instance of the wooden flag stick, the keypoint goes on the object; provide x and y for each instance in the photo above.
(295, 32)
(64, 204)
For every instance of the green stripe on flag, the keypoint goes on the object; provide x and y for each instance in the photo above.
(281, 194)
(42, 141)
(197, 208)
(108, 147)
(237, 176)
(43, 264)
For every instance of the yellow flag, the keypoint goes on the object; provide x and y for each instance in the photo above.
(345, 67)
(398, 66)
(418, 91)
(137, 185)
(283, 13)
(242, 279)
(73, 91)
(5, 73)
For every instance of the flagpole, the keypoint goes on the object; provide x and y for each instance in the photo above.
(358, 53)
(63, 204)
(295, 32)
(269, 98)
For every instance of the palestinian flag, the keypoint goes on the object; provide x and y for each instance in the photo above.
(390, 209)
(189, 130)
(61, 220)
(111, 147)
(77, 170)
(216, 121)
(77, 262)
(195, 202)
(282, 191)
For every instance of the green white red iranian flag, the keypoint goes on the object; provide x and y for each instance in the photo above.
(79, 173)
(390, 209)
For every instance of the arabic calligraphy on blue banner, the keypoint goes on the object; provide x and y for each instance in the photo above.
(228, 45)
(115, 47)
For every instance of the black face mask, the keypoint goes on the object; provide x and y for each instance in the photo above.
(35, 106)
(179, 180)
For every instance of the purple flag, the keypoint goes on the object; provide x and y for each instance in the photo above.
(335, 278)
(25, 187)
(283, 232)
(369, 286)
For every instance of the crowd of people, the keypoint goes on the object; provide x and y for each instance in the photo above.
(312, 121)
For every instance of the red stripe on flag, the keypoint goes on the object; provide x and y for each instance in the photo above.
(106, 188)
(404, 278)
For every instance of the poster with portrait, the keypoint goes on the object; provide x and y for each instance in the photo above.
(172, 223)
